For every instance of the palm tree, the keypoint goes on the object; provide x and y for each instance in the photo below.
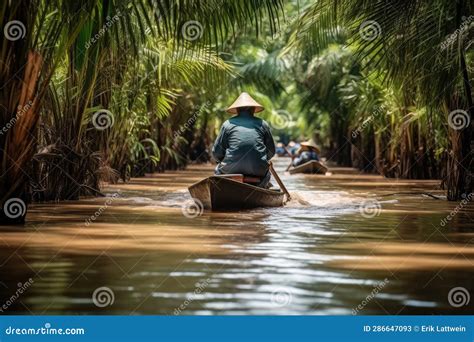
(32, 30)
(47, 34)
(420, 45)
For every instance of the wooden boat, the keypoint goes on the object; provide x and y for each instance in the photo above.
(231, 193)
(312, 166)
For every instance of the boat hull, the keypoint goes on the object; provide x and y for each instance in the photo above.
(312, 166)
(219, 193)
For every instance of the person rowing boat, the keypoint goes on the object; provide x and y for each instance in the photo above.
(243, 150)
(307, 152)
(245, 143)
(306, 159)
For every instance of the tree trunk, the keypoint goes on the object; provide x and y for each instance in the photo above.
(19, 143)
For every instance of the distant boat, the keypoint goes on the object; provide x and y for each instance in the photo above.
(312, 166)
(229, 192)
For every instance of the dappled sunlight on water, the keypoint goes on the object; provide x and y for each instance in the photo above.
(340, 237)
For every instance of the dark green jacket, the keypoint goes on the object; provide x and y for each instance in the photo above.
(244, 145)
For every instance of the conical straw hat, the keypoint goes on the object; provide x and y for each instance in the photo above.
(311, 144)
(244, 100)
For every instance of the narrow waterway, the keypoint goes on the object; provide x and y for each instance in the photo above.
(348, 243)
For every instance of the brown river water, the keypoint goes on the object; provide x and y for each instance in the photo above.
(348, 243)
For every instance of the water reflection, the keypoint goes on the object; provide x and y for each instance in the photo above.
(318, 255)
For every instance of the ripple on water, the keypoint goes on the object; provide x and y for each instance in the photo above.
(317, 255)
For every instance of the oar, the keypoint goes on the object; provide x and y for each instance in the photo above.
(277, 178)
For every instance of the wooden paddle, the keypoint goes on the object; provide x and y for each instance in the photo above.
(277, 178)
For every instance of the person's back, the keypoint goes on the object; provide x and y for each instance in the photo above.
(245, 143)
(245, 146)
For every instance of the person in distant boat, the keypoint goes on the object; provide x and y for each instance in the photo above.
(293, 147)
(280, 149)
(245, 143)
(307, 152)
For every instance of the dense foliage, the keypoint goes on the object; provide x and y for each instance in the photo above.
(102, 90)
